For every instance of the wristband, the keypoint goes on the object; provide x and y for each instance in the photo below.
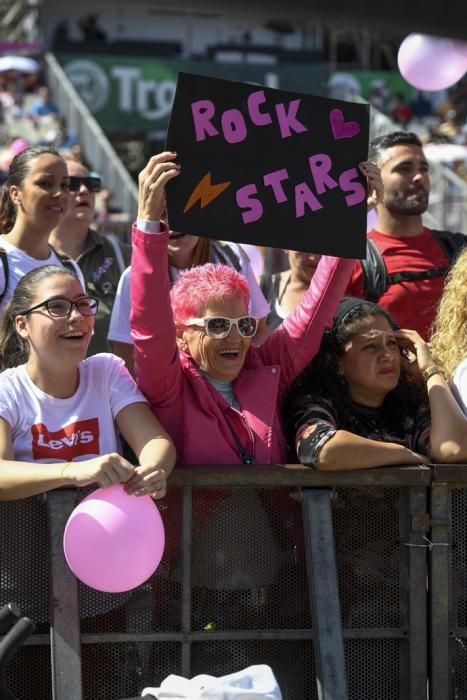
(430, 371)
(148, 226)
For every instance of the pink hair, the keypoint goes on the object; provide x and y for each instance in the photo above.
(196, 287)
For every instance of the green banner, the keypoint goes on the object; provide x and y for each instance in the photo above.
(134, 95)
(392, 80)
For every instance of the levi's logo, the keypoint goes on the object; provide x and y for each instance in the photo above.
(75, 439)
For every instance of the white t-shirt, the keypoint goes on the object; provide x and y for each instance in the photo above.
(48, 429)
(19, 263)
(459, 385)
(120, 330)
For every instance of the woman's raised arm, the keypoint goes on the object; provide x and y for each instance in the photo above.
(157, 365)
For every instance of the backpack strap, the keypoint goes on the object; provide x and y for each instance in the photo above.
(411, 275)
(375, 274)
(64, 259)
(269, 285)
(265, 284)
(230, 254)
(6, 272)
(451, 243)
(68, 263)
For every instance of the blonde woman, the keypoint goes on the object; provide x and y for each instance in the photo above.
(449, 333)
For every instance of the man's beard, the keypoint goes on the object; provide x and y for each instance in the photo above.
(399, 203)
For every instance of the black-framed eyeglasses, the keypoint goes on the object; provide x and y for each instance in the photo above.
(60, 307)
(93, 184)
(220, 326)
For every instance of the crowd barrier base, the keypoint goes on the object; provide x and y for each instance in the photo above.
(350, 585)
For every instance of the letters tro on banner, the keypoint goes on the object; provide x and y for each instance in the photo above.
(268, 167)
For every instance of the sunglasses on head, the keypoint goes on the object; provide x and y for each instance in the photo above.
(92, 184)
(220, 326)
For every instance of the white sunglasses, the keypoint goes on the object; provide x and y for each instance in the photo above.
(220, 326)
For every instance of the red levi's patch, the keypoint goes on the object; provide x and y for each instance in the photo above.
(75, 439)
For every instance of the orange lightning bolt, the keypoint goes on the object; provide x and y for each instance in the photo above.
(205, 192)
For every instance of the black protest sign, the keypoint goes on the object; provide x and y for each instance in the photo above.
(268, 167)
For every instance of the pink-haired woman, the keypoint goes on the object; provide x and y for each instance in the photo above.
(216, 394)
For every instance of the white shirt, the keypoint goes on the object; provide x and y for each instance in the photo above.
(48, 429)
(20, 263)
(459, 385)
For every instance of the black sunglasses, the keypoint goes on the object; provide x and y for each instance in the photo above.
(92, 184)
(60, 307)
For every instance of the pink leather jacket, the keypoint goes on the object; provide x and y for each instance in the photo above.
(190, 409)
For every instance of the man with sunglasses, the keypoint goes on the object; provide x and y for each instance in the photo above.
(101, 259)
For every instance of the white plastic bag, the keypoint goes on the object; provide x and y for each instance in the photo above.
(253, 683)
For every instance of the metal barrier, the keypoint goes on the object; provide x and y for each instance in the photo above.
(249, 576)
(448, 576)
(93, 140)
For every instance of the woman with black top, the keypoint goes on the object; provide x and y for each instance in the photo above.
(373, 397)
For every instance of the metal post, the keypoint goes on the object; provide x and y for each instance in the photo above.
(65, 626)
(440, 592)
(324, 595)
(414, 526)
(187, 564)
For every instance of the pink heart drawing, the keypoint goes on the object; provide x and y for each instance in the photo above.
(340, 128)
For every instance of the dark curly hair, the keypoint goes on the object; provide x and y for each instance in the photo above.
(321, 379)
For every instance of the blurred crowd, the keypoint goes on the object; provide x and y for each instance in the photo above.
(438, 118)
(29, 117)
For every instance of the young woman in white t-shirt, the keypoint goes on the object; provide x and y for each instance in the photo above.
(60, 413)
(33, 201)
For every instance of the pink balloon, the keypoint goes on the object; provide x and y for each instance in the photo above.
(113, 541)
(430, 63)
